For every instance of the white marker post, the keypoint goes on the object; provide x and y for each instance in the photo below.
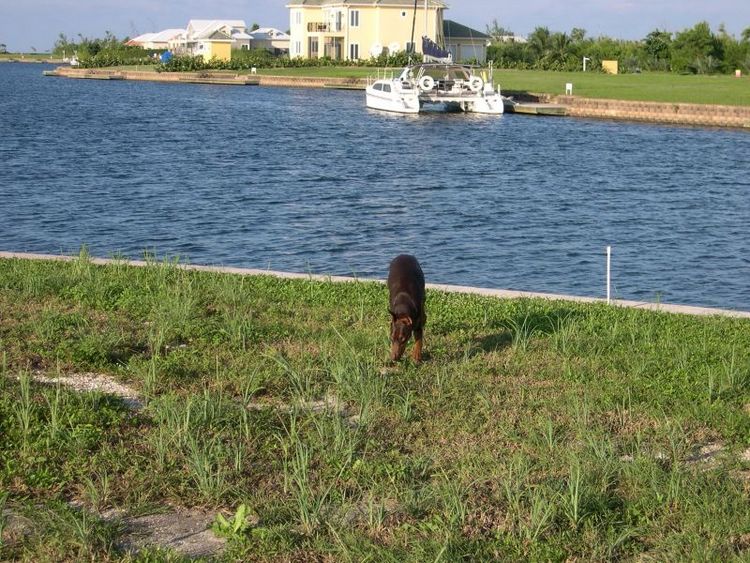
(609, 278)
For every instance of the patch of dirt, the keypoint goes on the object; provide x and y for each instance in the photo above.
(185, 531)
(93, 382)
(707, 455)
(328, 404)
(15, 529)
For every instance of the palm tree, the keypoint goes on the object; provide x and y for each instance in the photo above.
(560, 50)
(539, 42)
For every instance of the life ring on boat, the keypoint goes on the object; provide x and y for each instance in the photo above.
(426, 83)
(476, 84)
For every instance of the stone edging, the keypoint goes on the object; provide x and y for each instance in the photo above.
(499, 293)
(658, 112)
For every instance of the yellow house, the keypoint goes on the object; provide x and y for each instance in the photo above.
(360, 29)
(210, 39)
(216, 46)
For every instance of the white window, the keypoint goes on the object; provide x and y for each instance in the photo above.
(354, 18)
(298, 17)
(354, 51)
(298, 47)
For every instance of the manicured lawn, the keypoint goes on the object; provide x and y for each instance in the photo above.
(651, 86)
(534, 430)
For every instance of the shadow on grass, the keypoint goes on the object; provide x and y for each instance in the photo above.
(520, 328)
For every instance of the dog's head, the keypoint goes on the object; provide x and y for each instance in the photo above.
(401, 327)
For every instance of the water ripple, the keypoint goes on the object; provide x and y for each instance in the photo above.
(308, 180)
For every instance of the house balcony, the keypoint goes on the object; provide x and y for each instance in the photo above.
(321, 27)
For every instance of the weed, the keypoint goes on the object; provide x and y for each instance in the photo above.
(235, 527)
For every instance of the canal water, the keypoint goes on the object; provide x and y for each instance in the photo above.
(311, 181)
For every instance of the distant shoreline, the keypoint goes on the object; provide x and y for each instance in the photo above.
(33, 61)
(690, 114)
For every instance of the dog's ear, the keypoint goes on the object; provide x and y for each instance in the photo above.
(406, 320)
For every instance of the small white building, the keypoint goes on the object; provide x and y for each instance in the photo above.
(465, 43)
(211, 38)
(158, 40)
(271, 39)
(241, 40)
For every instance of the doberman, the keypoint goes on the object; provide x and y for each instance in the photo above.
(407, 301)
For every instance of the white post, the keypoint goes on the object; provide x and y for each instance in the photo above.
(585, 60)
(609, 278)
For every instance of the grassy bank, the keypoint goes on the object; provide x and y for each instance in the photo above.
(648, 86)
(27, 57)
(534, 429)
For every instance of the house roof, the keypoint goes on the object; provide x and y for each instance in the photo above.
(452, 30)
(266, 33)
(142, 38)
(166, 35)
(404, 3)
(204, 28)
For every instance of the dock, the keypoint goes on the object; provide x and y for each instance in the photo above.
(528, 108)
(228, 81)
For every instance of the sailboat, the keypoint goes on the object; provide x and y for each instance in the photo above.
(437, 83)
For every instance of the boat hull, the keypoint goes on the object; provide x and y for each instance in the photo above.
(396, 103)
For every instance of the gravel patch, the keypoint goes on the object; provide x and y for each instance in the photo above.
(94, 382)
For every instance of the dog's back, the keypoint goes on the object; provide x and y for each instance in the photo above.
(406, 305)
(406, 286)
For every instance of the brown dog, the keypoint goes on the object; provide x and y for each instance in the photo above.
(407, 299)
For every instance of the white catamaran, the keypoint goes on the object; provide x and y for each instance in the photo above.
(437, 83)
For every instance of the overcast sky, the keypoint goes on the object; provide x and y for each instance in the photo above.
(37, 23)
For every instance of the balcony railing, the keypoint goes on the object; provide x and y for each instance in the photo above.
(320, 27)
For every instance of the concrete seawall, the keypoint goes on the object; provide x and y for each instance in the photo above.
(498, 293)
(656, 112)
(574, 106)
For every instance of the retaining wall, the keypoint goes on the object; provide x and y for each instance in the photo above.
(682, 114)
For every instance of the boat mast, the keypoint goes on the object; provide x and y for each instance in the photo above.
(413, 24)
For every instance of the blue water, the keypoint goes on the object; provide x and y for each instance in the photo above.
(311, 181)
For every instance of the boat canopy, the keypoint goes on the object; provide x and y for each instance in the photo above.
(433, 52)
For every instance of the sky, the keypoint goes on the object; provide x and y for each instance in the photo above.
(35, 24)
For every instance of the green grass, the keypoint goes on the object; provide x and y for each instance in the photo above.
(34, 57)
(534, 430)
(648, 86)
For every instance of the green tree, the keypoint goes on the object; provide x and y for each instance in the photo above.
(560, 56)
(696, 50)
(539, 42)
(577, 35)
(658, 49)
(497, 32)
